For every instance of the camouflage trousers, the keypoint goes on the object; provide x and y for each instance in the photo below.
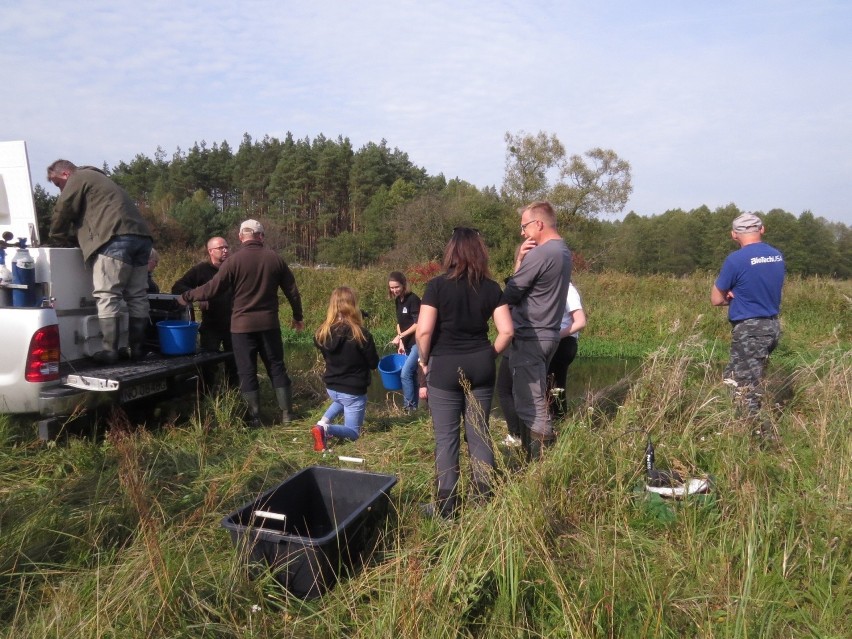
(752, 341)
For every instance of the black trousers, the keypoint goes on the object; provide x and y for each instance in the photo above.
(557, 373)
(270, 347)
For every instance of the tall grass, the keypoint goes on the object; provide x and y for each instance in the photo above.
(121, 536)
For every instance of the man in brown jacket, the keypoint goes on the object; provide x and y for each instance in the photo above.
(114, 238)
(254, 274)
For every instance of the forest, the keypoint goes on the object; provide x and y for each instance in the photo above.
(324, 202)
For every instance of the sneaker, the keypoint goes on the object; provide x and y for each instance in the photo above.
(511, 441)
(318, 433)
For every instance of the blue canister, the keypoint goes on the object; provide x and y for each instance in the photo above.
(23, 273)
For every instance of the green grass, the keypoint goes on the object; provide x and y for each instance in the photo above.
(120, 536)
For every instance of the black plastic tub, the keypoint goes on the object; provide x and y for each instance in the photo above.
(317, 524)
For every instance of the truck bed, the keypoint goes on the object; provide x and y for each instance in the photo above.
(87, 384)
(89, 375)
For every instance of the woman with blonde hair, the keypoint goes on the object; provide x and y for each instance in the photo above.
(350, 355)
(458, 359)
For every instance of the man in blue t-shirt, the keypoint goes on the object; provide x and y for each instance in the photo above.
(749, 284)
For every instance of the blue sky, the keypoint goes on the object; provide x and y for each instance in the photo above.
(710, 102)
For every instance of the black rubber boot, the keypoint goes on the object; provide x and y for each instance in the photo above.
(111, 330)
(284, 396)
(538, 443)
(138, 332)
(525, 438)
(253, 400)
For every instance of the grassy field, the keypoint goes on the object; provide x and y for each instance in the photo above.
(120, 536)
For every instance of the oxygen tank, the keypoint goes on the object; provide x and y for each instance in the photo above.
(23, 273)
(5, 278)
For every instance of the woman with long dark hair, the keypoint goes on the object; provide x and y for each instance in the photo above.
(407, 312)
(458, 359)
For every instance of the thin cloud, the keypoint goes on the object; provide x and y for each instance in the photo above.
(710, 103)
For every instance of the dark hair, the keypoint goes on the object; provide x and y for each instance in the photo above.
(398, 276)
(59, 166)
(466, 256)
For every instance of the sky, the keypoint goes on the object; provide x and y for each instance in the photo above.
(711, 103)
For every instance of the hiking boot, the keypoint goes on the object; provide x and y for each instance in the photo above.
(766, 435)
(430, 510)
(320, 438)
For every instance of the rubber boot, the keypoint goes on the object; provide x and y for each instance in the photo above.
(538, 443)
(525, 437)
(252, 398)
(138, 332)
(111, 329)
(285, 403)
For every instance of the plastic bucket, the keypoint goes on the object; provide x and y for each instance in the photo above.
(177, 337)
(390, 367)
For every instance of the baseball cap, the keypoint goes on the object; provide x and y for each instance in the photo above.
(747, 223)
(251, 225)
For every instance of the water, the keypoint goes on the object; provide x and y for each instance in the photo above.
(585, 376)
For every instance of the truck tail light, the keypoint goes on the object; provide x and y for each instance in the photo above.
(43, 355)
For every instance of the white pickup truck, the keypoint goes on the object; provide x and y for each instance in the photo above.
(48, 333)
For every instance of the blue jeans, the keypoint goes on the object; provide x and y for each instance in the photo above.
(353, 408)
(408, 377)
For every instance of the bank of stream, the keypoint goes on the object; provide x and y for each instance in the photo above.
(586, 376)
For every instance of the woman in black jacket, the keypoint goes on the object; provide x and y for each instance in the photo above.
(350, 355)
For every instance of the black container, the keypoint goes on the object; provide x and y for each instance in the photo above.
(318, 523)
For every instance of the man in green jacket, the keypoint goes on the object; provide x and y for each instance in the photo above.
(115, 240)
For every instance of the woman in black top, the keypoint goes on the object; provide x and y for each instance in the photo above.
(458, 359)
(350, 356)
(407, 311)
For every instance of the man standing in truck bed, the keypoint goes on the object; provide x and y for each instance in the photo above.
(116, 241)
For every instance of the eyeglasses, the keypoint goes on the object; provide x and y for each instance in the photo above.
(524, 226)
(219, 248)
(466, 228)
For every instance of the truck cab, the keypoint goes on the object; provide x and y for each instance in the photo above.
(50, 325)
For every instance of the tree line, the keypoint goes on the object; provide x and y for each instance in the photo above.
(322, 201)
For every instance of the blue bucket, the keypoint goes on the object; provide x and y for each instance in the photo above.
(390, 367)
(177, 337)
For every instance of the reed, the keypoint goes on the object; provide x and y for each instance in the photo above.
(120, 535)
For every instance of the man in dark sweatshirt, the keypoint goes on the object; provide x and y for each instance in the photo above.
(215, 330)
(104, 221)
(253, 275)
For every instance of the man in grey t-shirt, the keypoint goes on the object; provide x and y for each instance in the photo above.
(536, 292)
